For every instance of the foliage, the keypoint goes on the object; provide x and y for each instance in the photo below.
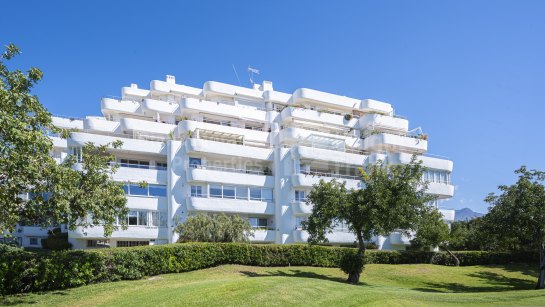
(518, 214)
(214, 228)
(23, 271)
(432, 231)
(56, 240)
(393, 198)
(75, 193)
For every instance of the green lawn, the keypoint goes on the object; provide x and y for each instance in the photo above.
(398, 285)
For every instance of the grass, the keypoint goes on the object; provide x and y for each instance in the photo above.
(234, 285)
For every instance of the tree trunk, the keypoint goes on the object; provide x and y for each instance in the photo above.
(456, 260)
(354, 277)
(541, 278)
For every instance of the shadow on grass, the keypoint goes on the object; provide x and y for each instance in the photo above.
(298, 273)
(492, 282)
(24, 298)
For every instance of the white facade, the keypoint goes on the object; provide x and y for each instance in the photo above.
(254, 152)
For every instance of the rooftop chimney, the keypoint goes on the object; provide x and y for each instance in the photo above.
(267, 86)
(171, 79)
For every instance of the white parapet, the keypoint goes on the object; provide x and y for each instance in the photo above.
(233, 150)
(110, 105)
(385, 123)
(304, 180)
(210, 204)
(190, 106)
(290, 114)
(100, 124)
(448, 214)
(309, 96)
(393, 142)
(370, 105)
(153, 106)
(263, 236)
(211, 175)
(336, 237)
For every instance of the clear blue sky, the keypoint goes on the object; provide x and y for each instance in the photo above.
(470, 73)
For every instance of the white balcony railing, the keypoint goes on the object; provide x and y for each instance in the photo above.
(231, 170)
(332, 175)
(140, 166)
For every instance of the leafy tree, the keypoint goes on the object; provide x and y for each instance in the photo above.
(518, 214)
(432, 231)
(214, 228)
(71, 193)
(392, 199)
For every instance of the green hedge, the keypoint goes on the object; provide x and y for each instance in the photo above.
(23, 271)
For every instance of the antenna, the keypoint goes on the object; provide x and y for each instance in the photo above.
(236, 74)
(251, 72)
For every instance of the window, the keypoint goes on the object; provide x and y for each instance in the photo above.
(194, 162)
(228, 191)
(98, 243)
(161, 166)
(77, 152)
(215, 190)
(134, 163)
(158, 219)
(143, 218)
(136, 189)
(300, 196)
(196, 191)
(257, 222)
(132, 218)
(157, 190)
(255, 193)
(242, 192)
(131, 243)
(153, 190)
(299, 222)
(33, 241)
(267, 194)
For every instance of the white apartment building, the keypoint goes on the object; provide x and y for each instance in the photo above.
(255, 152)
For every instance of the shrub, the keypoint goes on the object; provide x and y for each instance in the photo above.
(23, 271)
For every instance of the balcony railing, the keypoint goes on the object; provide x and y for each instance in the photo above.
(140, 166)
(323, 174)
(232, 170)
(335, 148)
(204, 195)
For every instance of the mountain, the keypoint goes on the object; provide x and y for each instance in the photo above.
(466, 214)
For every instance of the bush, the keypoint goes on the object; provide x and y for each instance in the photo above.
(23, 271)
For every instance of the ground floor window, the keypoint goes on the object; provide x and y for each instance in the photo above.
(131, 243)
(33, 241)
(98, 243)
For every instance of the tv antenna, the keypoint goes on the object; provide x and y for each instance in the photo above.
(251, 72)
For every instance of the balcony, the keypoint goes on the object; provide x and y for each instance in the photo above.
(305, 95)
(227, 205)
(136, 173)
(132, 143)
(442, 190)
(384, 123)
(191, 106)
(438, 163)
(213, 88)
(112, 105)
(336, 237)
(132, 232)
(393, 142)
(158, 106)
(264, 235)
(67, 122)
(227, 134)
(134, 91)
(370, 105)
(332, 138)
(200, 173)
(172, 87)
(100, 124)
(228, 149)
(319, 152)
(448, 215)
(291, 114)
(146, 126)
(300, 208)
(308, 179)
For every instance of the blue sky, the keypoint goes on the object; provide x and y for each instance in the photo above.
(470, 73)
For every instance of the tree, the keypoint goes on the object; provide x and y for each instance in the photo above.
(214, 228)
(76, 192)
(432, 231)
(392, 199)
(518, 214)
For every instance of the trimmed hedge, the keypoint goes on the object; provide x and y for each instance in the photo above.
(23, 271)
